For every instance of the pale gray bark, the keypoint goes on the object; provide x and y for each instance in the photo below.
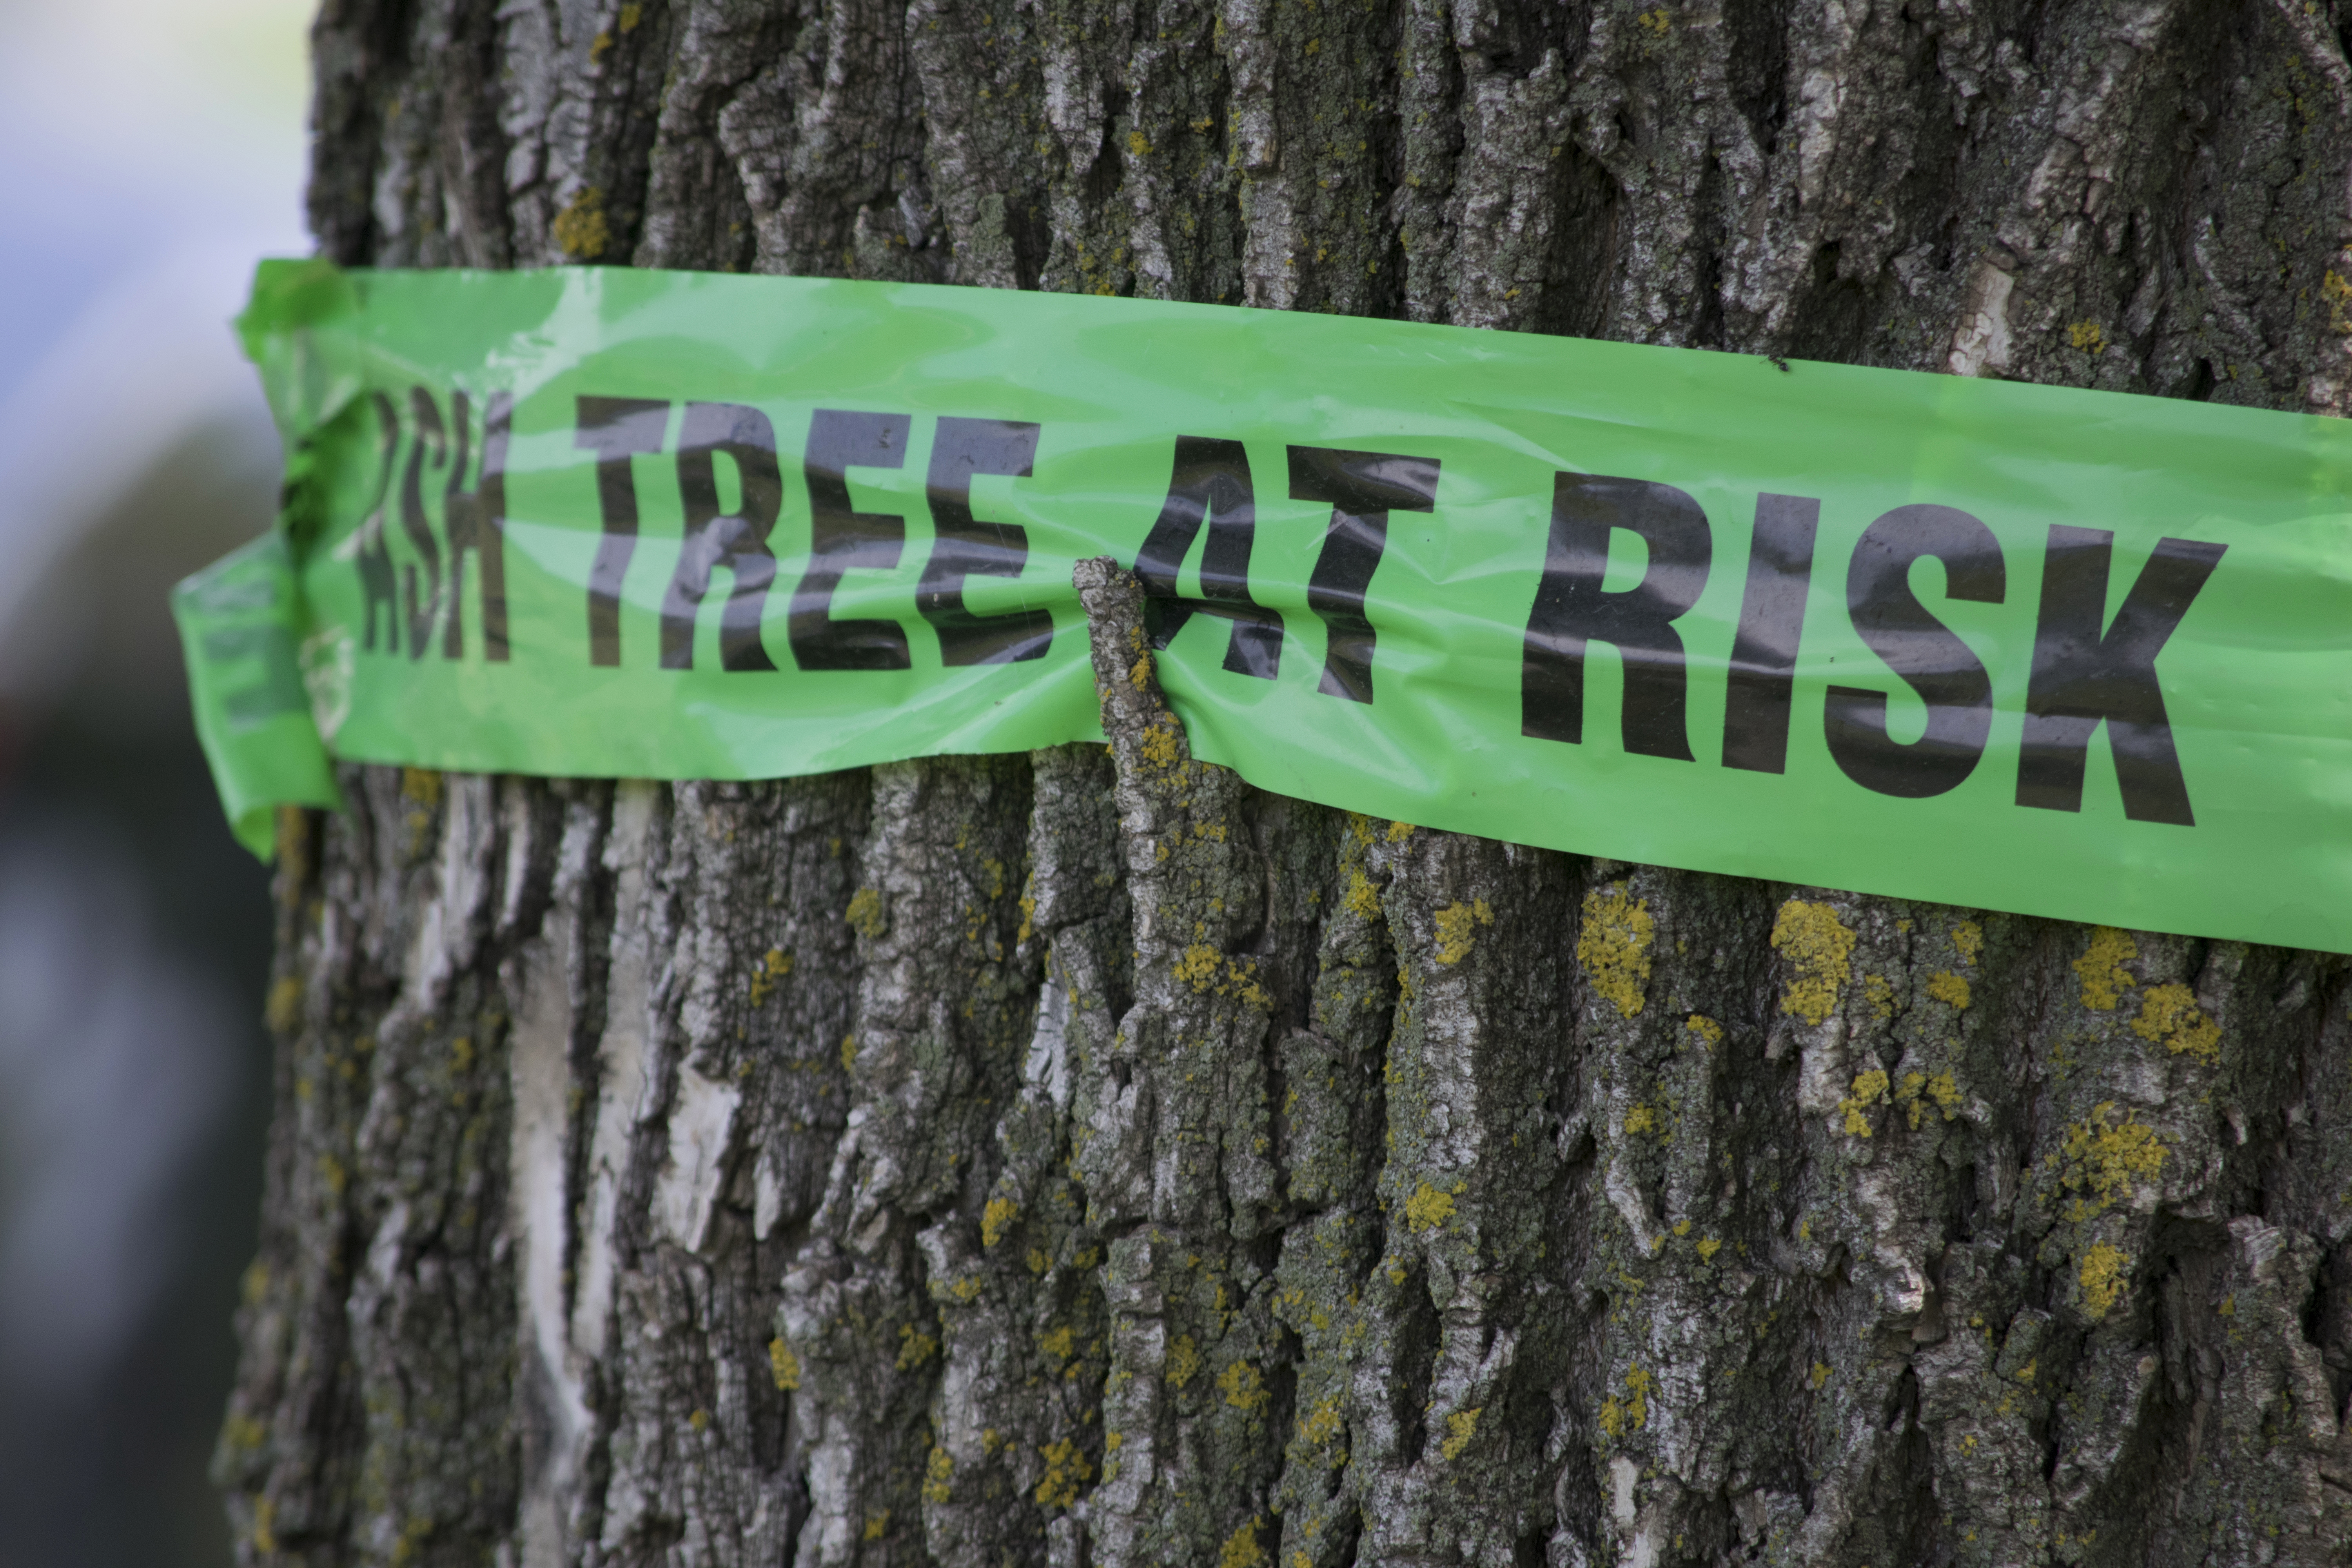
(1089, 1159)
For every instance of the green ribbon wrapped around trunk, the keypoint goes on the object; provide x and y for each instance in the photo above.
(2059, 652)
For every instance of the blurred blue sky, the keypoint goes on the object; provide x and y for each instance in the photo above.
(154, 150)
(138, 131)
(156, 147)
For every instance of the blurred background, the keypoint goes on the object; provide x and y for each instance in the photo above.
(155, 150)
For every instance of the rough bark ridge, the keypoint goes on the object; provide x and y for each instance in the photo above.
(1086, 1159)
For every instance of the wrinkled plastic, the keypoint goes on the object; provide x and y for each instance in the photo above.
(239, 621)
(2004, 647)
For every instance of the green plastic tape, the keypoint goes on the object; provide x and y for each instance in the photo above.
(2021, 647)
(239, 619)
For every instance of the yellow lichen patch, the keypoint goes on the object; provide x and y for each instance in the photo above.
(2101, 968)
(1460, 1428)
(1400, 831)
(848, 1052)
(1917, 1089)
(1907, 1095)
(878, 1525)
(1879, 997)
(915, 1347)
(422, 785)
(699, 1420)
(1820, 1374)
(2106, 1156)
(1037, 1261)
(784, 1364)
(1632, 1412)
(284, 1009)
(1138, 674)
(243, 1434)
(1241, 980)
(2103, 1273)
(1869, 1089)
(1320, 1425)
(1361, 897)
(1614, 946)
(2169, 1015)
(1455, 935)
(1065, 1471)
(865, 916)
(1820, 951)
(2338, 295)
(1198, 968)
(1184, 1362)
(1243, 1387)
(2088, 336)
(581, 229)
(1240, 1548)
(1157, 744)
(264, 1513)
(631, 14)
(996, 1219)
(772, 968)
(1204, 969)
(1428, 1208)
(1709, 1032)
(1060, 1343)
(938, 1471)
(1707, 1248)
(1968, 941)
(1028, 919)
(1641, 1118)
(1949, 988)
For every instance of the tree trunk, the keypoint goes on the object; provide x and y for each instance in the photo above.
(1058, 1158)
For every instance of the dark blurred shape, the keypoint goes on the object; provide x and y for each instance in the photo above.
(134, 940)
(154, 151)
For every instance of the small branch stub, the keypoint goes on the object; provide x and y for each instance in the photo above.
(1145, 734)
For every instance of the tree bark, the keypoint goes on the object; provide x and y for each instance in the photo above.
(1080, 1158)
